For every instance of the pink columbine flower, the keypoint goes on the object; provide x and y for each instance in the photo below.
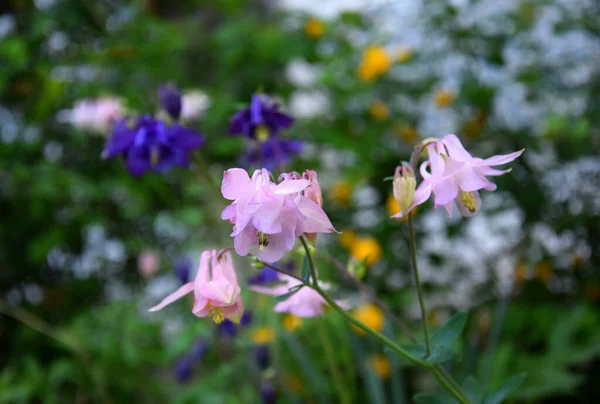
(96, 115)
(304, 303)
(453, 175)
(216, 289)
(268, 215)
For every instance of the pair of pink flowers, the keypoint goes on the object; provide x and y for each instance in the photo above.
(272, 216)
(453, 175)
(216, 289)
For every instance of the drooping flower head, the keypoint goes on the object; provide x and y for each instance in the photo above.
(149, 144)
(267, 215)
(453, 175)
(170, 99)
(262, 120)
(304, 303)
(216, 289)
(272, 153)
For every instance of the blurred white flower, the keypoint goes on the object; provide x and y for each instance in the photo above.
(309, 104)
(301, 73)
(96, 115)
(193, 105)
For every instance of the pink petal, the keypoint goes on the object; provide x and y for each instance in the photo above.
(316, 219)
(227, 268)
(466, 212)
(502, 158)
(436, 162)
(229, 213)
(234, 312)
(455, 148)
(267, 218)
(469, 181)
(219, 292)
(445, 191)
(243, 242)
(275, 250)
(178, 294)
(291, 187)
(235, 183)
(277, 290)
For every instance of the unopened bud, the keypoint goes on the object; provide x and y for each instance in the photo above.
(170, 99)
(357, 268)
(404, 187)
(256, 263)
(313, 191)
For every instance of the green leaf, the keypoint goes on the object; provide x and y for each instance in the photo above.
(440, 354)
(289, 294)
(305, 269)
(451, 331)
(432, 398)
(415, 350)
(472, 389)
(506, 389)
(389, 178)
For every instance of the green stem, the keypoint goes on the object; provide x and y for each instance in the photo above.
(439, 375)
(338, 382)
(413, 257)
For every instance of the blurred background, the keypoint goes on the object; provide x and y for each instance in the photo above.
(86, 248)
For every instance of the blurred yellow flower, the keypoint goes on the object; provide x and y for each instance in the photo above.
(443, 98)
(393, 207)
(407, 133)
(314, 28)
(341, 192)
(520, 273)
(403, 54)
(375, 62)
(263, 335)
(291, 322)
(347, 238)
(543, 271)
(371, 315)
(380, 365)
(379, 111)
(366, 248)
(292, 382)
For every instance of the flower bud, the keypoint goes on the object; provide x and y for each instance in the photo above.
(170, 99)
(262, 355)
(313, 191)
(404, 187)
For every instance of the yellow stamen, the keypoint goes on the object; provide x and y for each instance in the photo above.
(217, 316)
(154, 155)
(263, 240)
(467, 199)
(262, 133)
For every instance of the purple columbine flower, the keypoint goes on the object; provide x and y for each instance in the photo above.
(262, 120)
(170, 99)
(268, 392)
(183, 369)
(262, 354)
(183, 266)
(150, 144)
(231, 329)
(265, 276)
(272, 154)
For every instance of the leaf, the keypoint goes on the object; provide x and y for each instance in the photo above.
(451, 331)
(289, 294)
(389, 178)
(415, 350)
(472, 389)
(440, 354)
(506, 389)
(305, 269)
(432, 398)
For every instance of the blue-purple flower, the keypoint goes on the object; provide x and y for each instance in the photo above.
(149, 144)
(183, 267)
(262, 354)
(262, 120)
(170, 99)
(271, 154)
(231, 329)
(265, 276)
(183, 369)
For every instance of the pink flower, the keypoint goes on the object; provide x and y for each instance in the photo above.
(453, 175)
(269, 215)
(304, 303)
(95, 114)
(148, 263)
(216, 289)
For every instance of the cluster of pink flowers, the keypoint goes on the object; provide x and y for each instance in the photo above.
(272, 216)
(453, 175)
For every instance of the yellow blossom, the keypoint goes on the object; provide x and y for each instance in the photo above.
(366, 248)
(379, 111)
(375, 62)
(443, 98)
(347, 238)
(543, 271)
(371, 315)
(314, 28)
(291, 322)
(380, 365)
(263, 335)
(341, 192)
(407, 133)
(403, 54)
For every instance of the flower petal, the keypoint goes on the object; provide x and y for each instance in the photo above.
(316, 219)
(502, 158)
(178, 294)
(236, 183)
(243, 242)
(291, 187)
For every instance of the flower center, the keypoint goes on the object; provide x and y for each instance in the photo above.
(154, 155)
(263, 240)
(262, 132)
(467, 199)
(217, 316)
